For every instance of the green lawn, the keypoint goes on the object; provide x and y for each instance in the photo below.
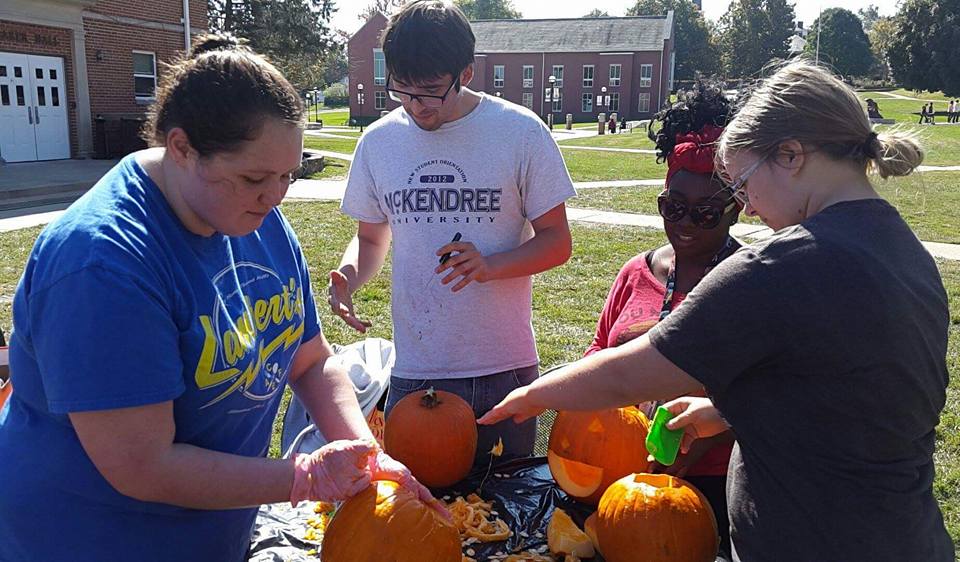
(336, 116)
(333, 169)
(592, 165)
(343, 146)
(636, 139)
(928, 202)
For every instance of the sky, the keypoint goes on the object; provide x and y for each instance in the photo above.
(347, 19)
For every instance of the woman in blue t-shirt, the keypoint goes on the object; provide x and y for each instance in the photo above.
(155, 327)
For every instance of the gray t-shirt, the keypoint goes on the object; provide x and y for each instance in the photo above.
(486, 176)
(824, 348)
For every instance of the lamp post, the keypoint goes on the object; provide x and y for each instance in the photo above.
(360, 103)
(551, 96)
(600, 104)
(309, 96)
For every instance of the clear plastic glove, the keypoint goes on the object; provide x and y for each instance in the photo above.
(334, 472)
(384, 467)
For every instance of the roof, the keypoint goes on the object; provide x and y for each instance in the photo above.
(641, 33)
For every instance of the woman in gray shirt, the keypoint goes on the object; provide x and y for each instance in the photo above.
(822, 347)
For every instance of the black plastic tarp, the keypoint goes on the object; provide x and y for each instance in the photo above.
(523, 493)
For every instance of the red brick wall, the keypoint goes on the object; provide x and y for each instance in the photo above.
(63, 49)
(111, 79)
(166, 11)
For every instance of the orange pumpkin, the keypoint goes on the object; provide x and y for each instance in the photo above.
(386, 522)
(656, 518)
(588, 451)
(434, 433)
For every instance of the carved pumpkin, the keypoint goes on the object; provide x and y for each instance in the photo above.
(564, 537)
(434, 433)
(386, 522)
(656, 518)
(588, 451)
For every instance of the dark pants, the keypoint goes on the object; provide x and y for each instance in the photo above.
(482, 393)
(715, 489)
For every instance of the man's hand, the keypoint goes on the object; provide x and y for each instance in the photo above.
(341, 302)
(698, 417)
(466, 262)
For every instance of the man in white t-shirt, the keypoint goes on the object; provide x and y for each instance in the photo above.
(460, 175)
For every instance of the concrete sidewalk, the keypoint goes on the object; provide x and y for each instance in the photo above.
(332, 190)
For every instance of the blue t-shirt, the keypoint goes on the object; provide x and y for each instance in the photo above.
(121, 306)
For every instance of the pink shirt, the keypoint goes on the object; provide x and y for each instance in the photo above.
(632, 308)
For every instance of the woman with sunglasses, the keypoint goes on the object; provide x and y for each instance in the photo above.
(697, 214)
(822, 347)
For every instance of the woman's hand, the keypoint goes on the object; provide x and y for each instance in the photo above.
(384, 467)
(334, 472)
(698, 417)
(517, 405)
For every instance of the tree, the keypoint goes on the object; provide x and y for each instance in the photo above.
(695, 43)
(293, 34)
(488, 9)
(753, 32)
(881, 36)
(924, 53)
(385, 7)
(597, 13)
(869, 16)
(842, 42)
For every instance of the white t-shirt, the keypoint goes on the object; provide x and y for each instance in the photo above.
(485, 175)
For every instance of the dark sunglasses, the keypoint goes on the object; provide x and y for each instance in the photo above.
(702, 216)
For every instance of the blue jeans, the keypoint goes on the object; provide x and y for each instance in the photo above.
(482, 393)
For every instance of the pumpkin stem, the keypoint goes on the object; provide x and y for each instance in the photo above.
(430, 399)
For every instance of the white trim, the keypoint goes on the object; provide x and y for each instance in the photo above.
(649, 81)
(503, 75)
(583, 75)
(619, 54)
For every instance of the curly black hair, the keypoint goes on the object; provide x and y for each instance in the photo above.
(702, 105)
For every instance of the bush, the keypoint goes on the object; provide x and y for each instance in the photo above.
(336, 96)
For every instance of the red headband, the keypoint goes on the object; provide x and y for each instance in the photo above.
(694, 152)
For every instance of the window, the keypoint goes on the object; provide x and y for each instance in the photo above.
(558, 102)
(3, 71)
(379, 68)
(41, 96)
(586, 104)
(39, 73)
(53, 73)
(588, 76)
(644, 105)
(528, 100)
(4, 95)
(558, 74)
(498, 76)
(380, 100)
(55, 96)
(144, 75)
(21, 99)
(615, 101)
(527, 76)
(615, 70)
(646, 75)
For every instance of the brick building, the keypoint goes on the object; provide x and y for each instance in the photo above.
(622, 65)
(71, 69)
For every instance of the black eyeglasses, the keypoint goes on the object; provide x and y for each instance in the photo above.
(425, 100)
(704, 216)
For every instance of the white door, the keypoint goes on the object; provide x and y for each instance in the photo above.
(18, 142)
(49, 108)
